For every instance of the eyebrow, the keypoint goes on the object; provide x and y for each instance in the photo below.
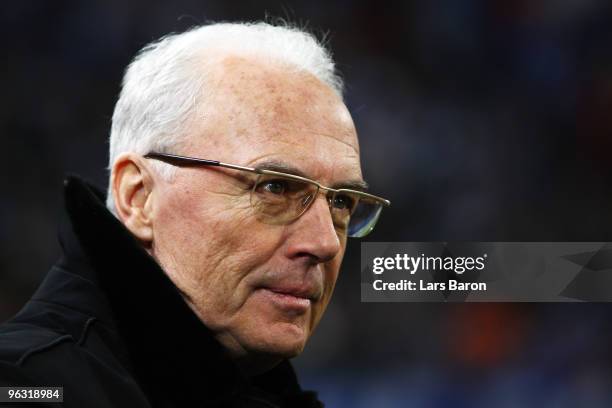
(275, 165)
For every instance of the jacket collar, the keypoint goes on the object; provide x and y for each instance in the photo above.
(171, 351)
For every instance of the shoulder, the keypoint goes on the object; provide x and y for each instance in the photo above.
(41, 340)
(47, 344)
(81, 362)
(40, 327)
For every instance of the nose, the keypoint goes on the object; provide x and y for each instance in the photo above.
(313, 234)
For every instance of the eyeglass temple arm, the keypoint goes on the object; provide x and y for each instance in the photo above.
(180, 160)
(186, 161)
(193, 161)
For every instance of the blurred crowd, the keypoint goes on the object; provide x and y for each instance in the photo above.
(480, 120)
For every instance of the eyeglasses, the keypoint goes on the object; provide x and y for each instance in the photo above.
(281, 198)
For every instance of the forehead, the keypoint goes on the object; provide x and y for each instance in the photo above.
(255, 111)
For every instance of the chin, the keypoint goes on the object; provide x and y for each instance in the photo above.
(280, 339)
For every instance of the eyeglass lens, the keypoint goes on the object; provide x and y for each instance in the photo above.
(279, 200)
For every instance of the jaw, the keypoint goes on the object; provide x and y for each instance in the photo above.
(258, 352)
(264, 332)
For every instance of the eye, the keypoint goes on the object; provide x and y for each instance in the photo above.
(343, 202)
(276, 187)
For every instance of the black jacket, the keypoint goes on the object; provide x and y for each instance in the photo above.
(112, 329)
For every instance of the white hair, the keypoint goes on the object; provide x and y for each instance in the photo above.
(166, 79)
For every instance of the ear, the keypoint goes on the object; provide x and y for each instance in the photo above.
(132, 185)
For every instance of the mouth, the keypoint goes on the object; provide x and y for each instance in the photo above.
(296, 300)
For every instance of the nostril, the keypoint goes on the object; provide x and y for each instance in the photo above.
(310, 258)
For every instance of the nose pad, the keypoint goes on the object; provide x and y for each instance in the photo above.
(304, 204)
(307, 200)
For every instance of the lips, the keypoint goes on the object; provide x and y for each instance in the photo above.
(304, 292)
(295, 299)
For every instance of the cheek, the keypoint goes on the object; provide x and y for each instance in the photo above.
(210, 246)
(190, 222)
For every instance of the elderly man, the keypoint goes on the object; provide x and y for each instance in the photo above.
(235, 182)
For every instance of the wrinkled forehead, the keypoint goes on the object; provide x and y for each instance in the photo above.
(255, 111)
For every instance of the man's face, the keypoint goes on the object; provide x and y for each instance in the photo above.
(261, 288)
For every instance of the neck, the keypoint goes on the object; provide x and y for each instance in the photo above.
(254, 364)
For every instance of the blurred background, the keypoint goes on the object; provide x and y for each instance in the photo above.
(480, 120)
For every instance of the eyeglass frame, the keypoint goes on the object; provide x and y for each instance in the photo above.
(179, 160)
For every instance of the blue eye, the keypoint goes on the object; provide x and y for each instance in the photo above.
(277, 187)
(343, 202)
